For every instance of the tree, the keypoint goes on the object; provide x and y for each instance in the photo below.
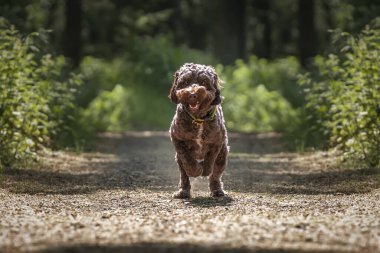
(307, 33)
(229, 40)
(72, 46)
(262, 40)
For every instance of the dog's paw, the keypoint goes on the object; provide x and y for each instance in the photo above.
(182, 194)
(218, 193)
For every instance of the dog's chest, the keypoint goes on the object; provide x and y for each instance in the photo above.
(199, 137)
(200, 144)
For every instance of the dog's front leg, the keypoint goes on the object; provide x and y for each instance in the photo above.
(215, 183)
(188, 162)
(184, 183)
(209, 161)
(188, 166)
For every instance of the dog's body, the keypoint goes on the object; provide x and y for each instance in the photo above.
(198, 131)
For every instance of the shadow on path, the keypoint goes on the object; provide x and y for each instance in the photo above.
(174, 248)
(210, 201)
(274, 175)
(146, 160)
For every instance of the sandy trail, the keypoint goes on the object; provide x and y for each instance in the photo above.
(118, 199)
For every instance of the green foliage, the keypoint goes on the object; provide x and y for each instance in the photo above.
(278, 75)
(130, 92)
(251, 109)
(35, 96)
(344, 96)
(255, 94)
(110, 111)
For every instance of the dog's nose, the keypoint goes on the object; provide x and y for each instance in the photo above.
(193, 96)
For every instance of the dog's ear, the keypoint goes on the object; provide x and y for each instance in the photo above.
(172, 95)
(218, 98)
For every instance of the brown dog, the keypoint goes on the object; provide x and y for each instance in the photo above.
(197, 130)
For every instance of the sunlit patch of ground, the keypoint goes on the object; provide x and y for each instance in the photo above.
(118, 199)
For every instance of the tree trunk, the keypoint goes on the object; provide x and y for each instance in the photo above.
(229, 40)
(307, 32)
(262, 41)
(72, 35)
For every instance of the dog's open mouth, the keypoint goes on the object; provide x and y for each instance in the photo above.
(194, 106)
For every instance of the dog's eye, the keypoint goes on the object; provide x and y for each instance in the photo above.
(182, 83)
(205, 84)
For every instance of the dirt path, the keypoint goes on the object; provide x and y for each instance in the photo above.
(118, 199)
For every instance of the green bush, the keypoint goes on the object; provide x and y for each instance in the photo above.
(143, 76)
(35, 96)
(254, 95)
(278, 75)
(110, 111)
(130, 92)
(343, 96)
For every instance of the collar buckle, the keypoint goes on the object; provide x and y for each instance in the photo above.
(198, 122)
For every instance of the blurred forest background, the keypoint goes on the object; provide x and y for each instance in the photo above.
(306, 68)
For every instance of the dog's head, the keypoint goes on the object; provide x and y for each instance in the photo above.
(196, 87)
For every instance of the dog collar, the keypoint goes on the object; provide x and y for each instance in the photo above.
(199, 121)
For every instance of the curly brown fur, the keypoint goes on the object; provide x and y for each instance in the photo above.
(201, 148)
